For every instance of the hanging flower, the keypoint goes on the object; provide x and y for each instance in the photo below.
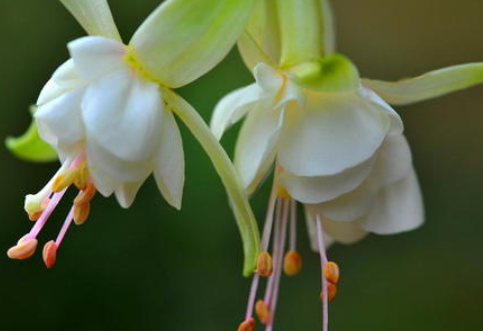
(108, 112)
(336, 146)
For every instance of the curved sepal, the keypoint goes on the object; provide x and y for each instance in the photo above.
(430, 85)
(260, 42)
(30, 147)
(183, 39)
(334, 73)
(246, 221)
(95, 17)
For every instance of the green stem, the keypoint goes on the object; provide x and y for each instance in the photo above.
(301, 31)
(243, 213)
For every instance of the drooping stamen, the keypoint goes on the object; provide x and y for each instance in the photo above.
(273, 298)
(292, 263)
(267, 230)
(35, 204)
(248, 325)
(323, 261)
(24, 249)
(264, 264)
(50, 249)
(54, 201)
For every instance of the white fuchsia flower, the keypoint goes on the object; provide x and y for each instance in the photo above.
(336, 146)
(108, 112)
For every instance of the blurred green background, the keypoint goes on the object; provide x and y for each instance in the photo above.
(153, 268)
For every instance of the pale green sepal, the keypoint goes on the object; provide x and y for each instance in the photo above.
(301, 31)
(241, 208)
(328, 30)
(430, 85)
(260, 41)
(183, 39)
(95, 17)
(30, 147)
(334, 73)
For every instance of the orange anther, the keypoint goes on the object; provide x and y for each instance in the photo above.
(24, 249)
(331, 290)
(264, 264)
(82, 178)
(65, 179)
(81, 212)
(86, 194)
(263, 312)
(49, 254)
(292, 263)
(332, 272)
(247, 325)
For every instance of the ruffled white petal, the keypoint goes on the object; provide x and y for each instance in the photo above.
(397, 126)
(398, 208)
(65, 78)
(169, 166)
(123, 113)
(233, 107)
(126, 193)
(342, 232)
(59, 120)
(324, 188)
(120, 171)
(268, 78)
(95, 56)
(393, 164)
(334, 132)
(257, 145)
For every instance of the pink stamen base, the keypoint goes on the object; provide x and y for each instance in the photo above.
(323, 260)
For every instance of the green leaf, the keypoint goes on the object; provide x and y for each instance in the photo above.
(430, 85)
(95, 17)
(183, 39)
(334, 73)
(30, 147)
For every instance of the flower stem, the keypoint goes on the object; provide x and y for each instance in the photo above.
(301, 31)
(241, 208)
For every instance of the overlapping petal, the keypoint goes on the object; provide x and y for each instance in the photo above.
(333, 133)
(95, 56)
(257, 144)
(169, 163)
(123, 113)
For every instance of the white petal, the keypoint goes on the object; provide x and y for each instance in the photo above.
(398, 208)
(343, 232)
(324, 188)
(334, 132)
(233, 107)
(169, 169)
(123, 113)
(310, 220)
(397, 125)
(257, 144)
(126, 193)
(268, 78)
(393, 164)
(64, 79)
(59, 120)
(96, 56)
(104, 183)
(119, 171)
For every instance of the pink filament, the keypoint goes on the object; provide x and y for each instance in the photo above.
(267, 230)
(323, 260)
(65, 227)
(293, 225)
(39, 224)
(272, 302)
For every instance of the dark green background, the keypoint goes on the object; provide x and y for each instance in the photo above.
(153, 268)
